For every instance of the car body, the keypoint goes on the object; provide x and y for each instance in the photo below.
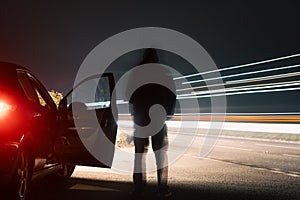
(38, 139)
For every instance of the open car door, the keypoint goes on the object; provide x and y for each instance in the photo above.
(87, 124)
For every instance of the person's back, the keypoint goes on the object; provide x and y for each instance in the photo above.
(141, 101)
(148, 95)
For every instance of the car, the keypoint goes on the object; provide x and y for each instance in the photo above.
(40, 139)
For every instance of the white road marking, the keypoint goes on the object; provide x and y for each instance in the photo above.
(298, 173)
(292, 155)
(278, 172)
(235, 148)
(293, 175)
(259, 168)
(273, 170)
(277, 146)
(276, 169)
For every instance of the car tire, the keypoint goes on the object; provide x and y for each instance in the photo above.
(62, 175)
(22, 176)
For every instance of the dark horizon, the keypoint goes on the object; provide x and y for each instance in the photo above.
(52, 39)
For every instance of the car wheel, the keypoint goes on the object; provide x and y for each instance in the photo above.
(63, 174)
(67, 171)
(23, 175)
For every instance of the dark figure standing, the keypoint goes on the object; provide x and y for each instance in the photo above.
(141, 101)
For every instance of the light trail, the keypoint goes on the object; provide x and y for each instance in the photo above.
(248, 87)
(275, 122)
(236, 114)
(281, 84)
(263, 78)
(239, 66)
(199, 87)
(240, 93)
(265, 87)
(243, 74)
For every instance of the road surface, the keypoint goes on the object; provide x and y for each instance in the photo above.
(237, 168)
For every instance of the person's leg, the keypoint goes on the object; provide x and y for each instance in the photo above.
(160, 146)
(139, 175)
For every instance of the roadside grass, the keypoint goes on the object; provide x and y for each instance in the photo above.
(262, 135)
(124, 140)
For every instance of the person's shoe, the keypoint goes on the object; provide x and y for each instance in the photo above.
(165, 194)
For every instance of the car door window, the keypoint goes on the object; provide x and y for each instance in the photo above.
(101, 98)
(44, 98)
(87, 122)
(27, 87)
(42, 101)
(34, 91)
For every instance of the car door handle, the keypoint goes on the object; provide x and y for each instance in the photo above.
(36, 114)
(106, 123)
(65, 141)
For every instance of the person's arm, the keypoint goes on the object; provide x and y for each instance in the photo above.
(170, 104)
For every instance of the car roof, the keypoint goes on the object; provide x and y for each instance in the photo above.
(8, 71)
(9, 84)
(7, 66)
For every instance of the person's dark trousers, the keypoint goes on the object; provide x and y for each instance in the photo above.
(160, 147)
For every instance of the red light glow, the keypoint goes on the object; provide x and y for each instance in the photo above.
(4, 109)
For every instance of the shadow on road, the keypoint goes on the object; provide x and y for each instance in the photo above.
(82, 189)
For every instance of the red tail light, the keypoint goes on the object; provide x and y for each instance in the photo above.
(5, 109)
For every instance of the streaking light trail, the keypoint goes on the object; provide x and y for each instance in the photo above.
(240, 93)
(245, 88)
(240, 66)
(263, 78)
(249, 80)
(243, 74)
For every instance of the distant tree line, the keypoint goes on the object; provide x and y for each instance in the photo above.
(56, 96)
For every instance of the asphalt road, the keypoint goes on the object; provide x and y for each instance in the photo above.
(235, 169)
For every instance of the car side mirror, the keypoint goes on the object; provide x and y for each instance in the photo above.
(63, 104)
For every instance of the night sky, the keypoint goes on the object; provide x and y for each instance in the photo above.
(52, 39)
